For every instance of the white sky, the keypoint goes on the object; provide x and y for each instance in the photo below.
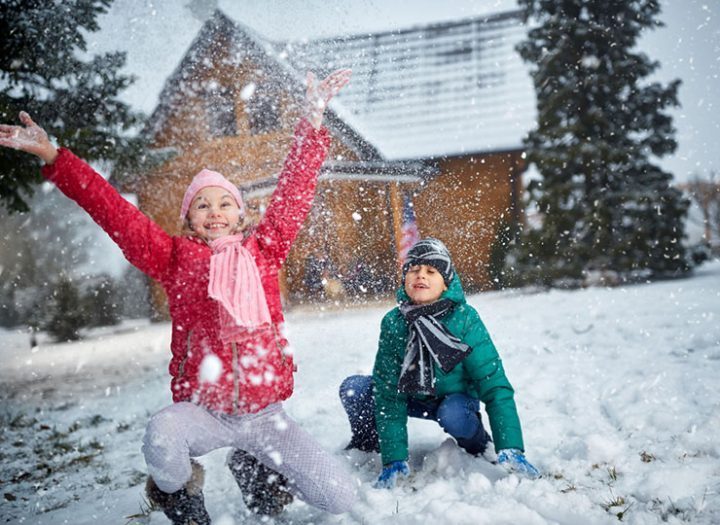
(156, 34)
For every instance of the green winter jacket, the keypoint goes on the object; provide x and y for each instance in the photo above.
(479, 375)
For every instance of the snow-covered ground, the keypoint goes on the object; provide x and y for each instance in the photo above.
(617, 391)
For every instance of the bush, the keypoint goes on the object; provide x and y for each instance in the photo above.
(66, 316)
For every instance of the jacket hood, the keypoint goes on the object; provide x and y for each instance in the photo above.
(454, 292)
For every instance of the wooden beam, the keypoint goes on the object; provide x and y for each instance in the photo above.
(396, 209)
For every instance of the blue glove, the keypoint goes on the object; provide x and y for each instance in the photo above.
(514, 461)
(390, 473)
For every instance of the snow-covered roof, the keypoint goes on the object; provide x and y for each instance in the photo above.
(247, 40)
(436, 90)
(430, 91)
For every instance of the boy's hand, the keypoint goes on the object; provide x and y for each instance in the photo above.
(514, 461)
(30, 139)
(390, 473)
(318, 95)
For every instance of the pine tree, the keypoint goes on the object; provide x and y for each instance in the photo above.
(101, 303)
(604, 205)
(65, 316)
(74, 99)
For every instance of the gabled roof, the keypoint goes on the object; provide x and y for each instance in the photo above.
(425, 92)
(246, 42)
(429, 91)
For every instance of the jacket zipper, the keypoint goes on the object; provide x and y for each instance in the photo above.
(181, 367)
(236, 378)
(277, 342)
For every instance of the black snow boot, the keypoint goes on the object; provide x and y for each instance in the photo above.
(187, 505)
(476, 444)
(264, 491)
(364, 443)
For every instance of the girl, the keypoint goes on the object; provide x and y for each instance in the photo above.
(436, 361)
(230, 371)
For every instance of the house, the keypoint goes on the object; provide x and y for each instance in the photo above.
(434, 116)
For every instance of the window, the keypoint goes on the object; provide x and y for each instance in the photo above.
(221, 112)
(263, 112)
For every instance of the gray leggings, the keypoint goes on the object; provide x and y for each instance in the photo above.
(184, 430)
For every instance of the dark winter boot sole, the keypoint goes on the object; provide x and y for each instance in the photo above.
(187, 505)
(477, 444)
(264, 491)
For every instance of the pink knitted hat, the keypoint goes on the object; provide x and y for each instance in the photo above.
(209, 178)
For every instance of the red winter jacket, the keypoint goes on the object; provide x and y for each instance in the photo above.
(255, 372)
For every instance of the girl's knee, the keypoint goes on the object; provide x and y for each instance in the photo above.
(167, 419)
(341, 495)
(165, 429)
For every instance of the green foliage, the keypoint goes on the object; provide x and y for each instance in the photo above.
(101, 303)
(75, 99)
(496, 266)
(603, 205)
(66, 315)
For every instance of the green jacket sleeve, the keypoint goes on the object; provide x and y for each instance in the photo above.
(390, 405)
(492, 386)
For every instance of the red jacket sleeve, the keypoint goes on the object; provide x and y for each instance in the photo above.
(143, 242)
(292, 199)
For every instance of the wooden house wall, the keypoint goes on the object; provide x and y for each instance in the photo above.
(350, 224)
(466, 204)
(244, 158)
(351, 220)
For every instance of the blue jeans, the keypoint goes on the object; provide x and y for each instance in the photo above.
(457, 414)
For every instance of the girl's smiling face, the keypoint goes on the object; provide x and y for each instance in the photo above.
(214, 213)
(424, 284)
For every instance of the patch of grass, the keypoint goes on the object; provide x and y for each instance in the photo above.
(146, 508)
(620, 515)
(646, 457)
(82, 460)
(136, 477)
(103, 480)
(21, 421)
(612, 472)
(95, 445)
(616, 501)
(96, 420)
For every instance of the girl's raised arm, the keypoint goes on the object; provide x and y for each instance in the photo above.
(144, 243)
(31, 139)
(292, 199)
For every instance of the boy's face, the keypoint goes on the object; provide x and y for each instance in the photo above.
(214, 213)
(424, 284)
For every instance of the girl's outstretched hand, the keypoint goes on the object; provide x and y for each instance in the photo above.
(319, 93)
(31, 139)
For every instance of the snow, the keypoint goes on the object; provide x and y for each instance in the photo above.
(616, 389)
(413, 93)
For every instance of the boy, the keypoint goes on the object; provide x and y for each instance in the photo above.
(435, 361)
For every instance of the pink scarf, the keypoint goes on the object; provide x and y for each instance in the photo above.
(235, 284)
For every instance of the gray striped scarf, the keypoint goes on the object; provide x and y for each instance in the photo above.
(428, 341)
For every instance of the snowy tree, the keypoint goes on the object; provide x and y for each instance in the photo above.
(65, 315)
(603, 204)
(101, 302)
(705, 193)
(36, 248)
(44, 69)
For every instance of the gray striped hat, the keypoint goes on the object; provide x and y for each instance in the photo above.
(432, 252)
